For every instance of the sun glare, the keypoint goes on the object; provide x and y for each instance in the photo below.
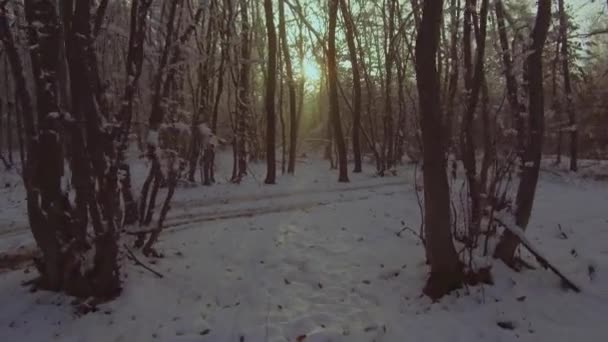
(311, 71)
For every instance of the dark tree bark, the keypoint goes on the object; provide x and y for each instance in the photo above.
(388, 121)
(473, 85)
(224, 56)
(488, 143)
(282, 120)
(243, 94)
(291, 85)
(505, 250)
(446, 270)
(565, 58)
(10, 108)
(271, 83)
(4, 161)
(555, 104)
(58, 226)
(4, 109)
(354, 61)
(334, 109)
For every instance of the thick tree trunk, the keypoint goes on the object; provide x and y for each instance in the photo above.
(565, 58)
(446, 270)
(271, 84)
(334, 109)
(59, 228)
(505, 250)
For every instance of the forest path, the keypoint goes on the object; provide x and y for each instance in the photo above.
(195, 205)
(187, 213)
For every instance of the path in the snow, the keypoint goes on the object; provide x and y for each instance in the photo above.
(198, 205)
(248, 206)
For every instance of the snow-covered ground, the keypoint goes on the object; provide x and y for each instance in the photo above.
(310, 259)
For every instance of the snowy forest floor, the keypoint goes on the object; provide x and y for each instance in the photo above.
(310, 259)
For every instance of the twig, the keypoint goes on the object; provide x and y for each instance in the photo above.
(415, 233)
(420, 205)
(138, 262)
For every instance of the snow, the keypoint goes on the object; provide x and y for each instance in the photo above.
(152, 139)
(314, 259)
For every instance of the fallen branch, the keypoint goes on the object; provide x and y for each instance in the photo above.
(539, 257)
(138, 262)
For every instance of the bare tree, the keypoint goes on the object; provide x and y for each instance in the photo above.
(356, 99)
(505, 250)
(334, 109)
(60, 227)
(565, 59)
(516, 105)
(270, 92)
(454, 69)
(446, 269)
(291, 85)
(244, 102)
(473, 83)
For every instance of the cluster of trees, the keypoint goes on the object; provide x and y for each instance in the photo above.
(441, 82)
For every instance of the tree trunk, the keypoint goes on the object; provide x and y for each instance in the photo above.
(10, 108)
(2, 114)
(488, 144)
(205, 84)
(446, 270)
(161, 92)
(60, 228)
(291, 85)
(505, 250)
(352, 50)
(555, 104)
(282, 122)
(243, 95)
(271, 84)
(473, 85)
(563, 25)
(134, 63)
(334, 109)
(454, 71)
(517, 107)
(387, 121)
